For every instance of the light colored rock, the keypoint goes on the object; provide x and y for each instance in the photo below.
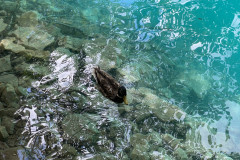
(221, 156)
(171, 141)
(2, 25)
(196, 81)
(154, 139)
(5, 64)
(28, 19)
(162, 109)
(3, 133)
(33, 37)
(180, 154)
(9, 78)
(9, 44)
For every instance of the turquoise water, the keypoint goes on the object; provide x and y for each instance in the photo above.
(185, 52)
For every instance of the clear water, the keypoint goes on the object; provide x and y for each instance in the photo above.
(185, 51)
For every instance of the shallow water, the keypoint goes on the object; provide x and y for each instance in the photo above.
(182, 51)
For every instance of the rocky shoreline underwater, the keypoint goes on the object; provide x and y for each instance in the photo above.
(49, 108)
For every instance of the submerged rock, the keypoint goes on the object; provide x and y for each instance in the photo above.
(103, 52)
(221, 156)
(103, 156)
(68, 150)
(195, 81)
(33, 37)
(32, 70)
(72, 43)
(156, 155)
(9, 44)
(140, 147)
(171, 141)
(3, 146)
(9, 6)
(28, 19)
(162, 109)
(9, 96)
(3, 133)
(8, 123)
(5, 64)
(78, 127)
(14, 154)
(2, 26)
(9, 78)
(180, 154)
(36, 54)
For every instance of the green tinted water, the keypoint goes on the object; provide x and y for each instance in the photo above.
(183, 51)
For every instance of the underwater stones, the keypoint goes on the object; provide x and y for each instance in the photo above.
(221, 156)
(33, 37)
(7, 122)
(68, 150)
(103, 156)
(171, 141)
(103, 52)
(140, 146)
(159, 156)
(9, 6)
(21, 91)
(9, 96)
(3, 146)
(2, 25)
(180, 154)
(3, 13)
(9, 44)
(80, 127)
(154, 139)
(162, 109)
(71, 43)
(5, 64)
(9, 78)
(36, 54)
(33, 70)
(195, 81)
(28, 19)
(14, 154)
(139, 153)
(3, 133)
(130, 74)
(142, 114)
